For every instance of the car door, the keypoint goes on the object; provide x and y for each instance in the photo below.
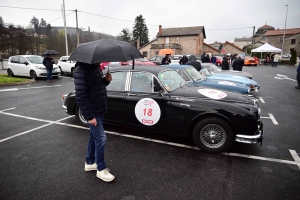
(116, 98)
(14, 65)
(24, 68)
(145, 108)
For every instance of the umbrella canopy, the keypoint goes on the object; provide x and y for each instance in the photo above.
(266, 48)
(165, 51)
(105, 50)
(50, 52)
(192, 57)
(195, 64)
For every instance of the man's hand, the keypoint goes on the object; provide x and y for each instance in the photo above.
(93, 122)
(108, 77)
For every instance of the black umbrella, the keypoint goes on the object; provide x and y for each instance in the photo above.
(192, 57)
(105, 50)
(50, 52)
(196, 64)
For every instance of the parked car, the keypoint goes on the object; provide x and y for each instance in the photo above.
(219, 60)
(66, 66)
(157, 99)
(29, 66)
(139, 61)
(250, 61)
(192, 76)
(216, 70)
(156, 59)
(288, 55)
(232, 78)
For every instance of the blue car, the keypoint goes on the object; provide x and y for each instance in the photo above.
(232, 78)
(192, 76)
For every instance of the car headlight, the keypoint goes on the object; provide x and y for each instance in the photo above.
(40, 67)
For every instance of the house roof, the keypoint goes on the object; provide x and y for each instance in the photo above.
(266, 27)
(292, 35)
(148, 43)
(180, 31)
(233, 45)
(290, 31)
(211, 47)
(242, 39)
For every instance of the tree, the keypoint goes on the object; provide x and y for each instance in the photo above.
(140, 31)
(125, 35)
(293, 59)
(221, 46)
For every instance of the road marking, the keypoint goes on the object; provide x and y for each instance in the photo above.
(8, 90)
(8, 109)
(39, 87)
(266, 117)
(295, 156)
(261, 99)
(279, 76)
(273, 119)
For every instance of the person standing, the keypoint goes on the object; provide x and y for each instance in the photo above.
(238, 64)
(275, 60)
(48, 63)
(225, 64)
(213, 59)
(166, 60)
(298, 76)
(91, 97)
(183, 60)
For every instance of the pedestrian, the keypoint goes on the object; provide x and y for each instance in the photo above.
(48, 63)
(183, 60)
(207, 59)
(271, 58)
(91, 97)
(298, 76)
(238, 64)
(166, 60)
(213, 59)
(225, 64)
(203, 57)
(275, 60)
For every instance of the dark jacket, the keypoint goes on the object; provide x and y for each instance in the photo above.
(90, 87)
(183, 60)
(238, 64)
(298, 68)
(48, 63)
(195, 64)
(165, 61)
(225, 64)
(213, 59)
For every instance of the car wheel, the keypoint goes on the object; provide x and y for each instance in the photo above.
(213, 135)
(80, 118)
(10, 73)
(61, 72)
(72, 71)
(33, 74)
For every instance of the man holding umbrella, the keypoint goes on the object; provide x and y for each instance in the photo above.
(48, 63)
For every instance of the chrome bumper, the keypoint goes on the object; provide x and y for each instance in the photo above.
(63, 103)
(256, 88)
(252, 139)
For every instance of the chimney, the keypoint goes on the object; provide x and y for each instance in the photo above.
(159, 30)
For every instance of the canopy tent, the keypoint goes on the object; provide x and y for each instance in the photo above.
(266, 48)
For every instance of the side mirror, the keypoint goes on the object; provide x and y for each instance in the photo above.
(161, 93)
(26, 63)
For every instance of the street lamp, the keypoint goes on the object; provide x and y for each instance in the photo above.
(287, 6)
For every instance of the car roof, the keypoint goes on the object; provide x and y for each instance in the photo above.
(155, 69)
(179, 66)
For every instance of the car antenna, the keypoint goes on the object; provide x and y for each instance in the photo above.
(132, 61)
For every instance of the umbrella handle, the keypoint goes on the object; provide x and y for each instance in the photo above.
(132, 56)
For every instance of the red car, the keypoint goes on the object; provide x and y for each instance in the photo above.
(219, 60)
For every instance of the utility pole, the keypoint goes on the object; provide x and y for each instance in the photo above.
(77, 31)
(287, 6)
(66, 39)
(253, 35)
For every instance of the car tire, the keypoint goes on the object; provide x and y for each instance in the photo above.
(61, 72)
(213, 135)
(72, 71)
(79, 117)
(10, 73)
(33, 74)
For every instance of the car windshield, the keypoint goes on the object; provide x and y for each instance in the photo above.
(171, 79)
(35, 59)
(205, 72)
(215, 68)
(194, 74)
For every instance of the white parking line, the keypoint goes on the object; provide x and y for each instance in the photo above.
(16, 89)
(8, 109)
(9, 90)
(273, 119)
(261, 99)
(294, 154)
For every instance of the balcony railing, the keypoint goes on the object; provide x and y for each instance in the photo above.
(166, 46)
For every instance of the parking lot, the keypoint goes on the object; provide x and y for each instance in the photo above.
(43, 151)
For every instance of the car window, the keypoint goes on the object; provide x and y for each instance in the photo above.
(195, 74)
(158, 58)
(22, 60)
(35, 59)
(153, 58)
(184, 75)
(171, 79)
(118, 81)
(15, 59)
(141, 82)
(205, 72)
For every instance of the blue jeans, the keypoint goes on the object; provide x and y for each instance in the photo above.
(49, 73)
(96, 144)
(274, 64)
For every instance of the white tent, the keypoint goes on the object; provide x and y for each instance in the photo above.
(266, 48)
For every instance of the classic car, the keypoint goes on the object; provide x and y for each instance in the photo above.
(157, 99)
(216, 70)
(192, 76)
(232, 78)
(250, 61)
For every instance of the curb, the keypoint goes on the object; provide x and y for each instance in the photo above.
(18, 83)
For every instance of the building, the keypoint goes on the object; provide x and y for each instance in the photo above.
(260, 31)
(211, 50)
(230, 48)
(242, 42)
(216, 45)
(182, 40)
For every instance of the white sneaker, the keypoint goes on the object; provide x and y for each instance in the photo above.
(91, 167)
(105, 175)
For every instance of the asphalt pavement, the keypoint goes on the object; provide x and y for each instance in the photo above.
(42, 151)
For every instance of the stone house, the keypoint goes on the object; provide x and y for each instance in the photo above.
(231, 48)
(242, 42)
(260, 31)
(209, 49)
(292, 42)
(182, 40)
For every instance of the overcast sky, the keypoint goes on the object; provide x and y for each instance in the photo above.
(110, 17)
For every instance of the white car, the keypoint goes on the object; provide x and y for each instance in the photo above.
(66, 66)
(30, 66)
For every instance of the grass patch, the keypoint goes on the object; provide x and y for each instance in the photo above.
(4, 78)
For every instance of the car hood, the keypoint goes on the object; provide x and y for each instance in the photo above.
(237, 79)
(232, 72)
(201, 92)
